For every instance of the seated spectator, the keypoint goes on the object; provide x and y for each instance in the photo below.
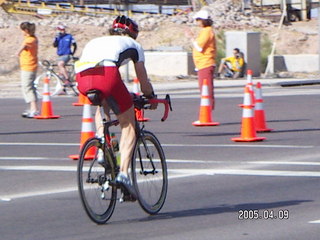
(232, 67)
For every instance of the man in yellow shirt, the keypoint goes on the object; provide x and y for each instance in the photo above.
(232, 67)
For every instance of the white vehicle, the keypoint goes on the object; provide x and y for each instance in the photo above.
(296, 9)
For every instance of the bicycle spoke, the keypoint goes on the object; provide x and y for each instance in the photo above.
(97, 195)
(150, 174)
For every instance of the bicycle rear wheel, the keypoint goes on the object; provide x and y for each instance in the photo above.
(72, 89)
(149, 173)
(55, 85)
(98, 197)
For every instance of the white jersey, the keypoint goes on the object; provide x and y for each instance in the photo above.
(109, 51)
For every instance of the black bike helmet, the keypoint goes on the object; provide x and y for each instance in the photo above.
(123, 24)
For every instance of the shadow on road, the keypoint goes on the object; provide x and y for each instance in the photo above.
(223, 209)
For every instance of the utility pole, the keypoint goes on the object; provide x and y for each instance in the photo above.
(304, 10)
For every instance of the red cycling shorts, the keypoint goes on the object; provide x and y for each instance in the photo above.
(108, 81)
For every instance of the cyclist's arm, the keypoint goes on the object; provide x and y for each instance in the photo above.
(141, 72)
(146, 86)
(56, 41)
(74, 48)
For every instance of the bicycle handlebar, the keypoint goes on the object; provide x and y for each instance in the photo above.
(141, 102)
(47, 64)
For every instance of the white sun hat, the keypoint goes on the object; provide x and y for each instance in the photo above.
(202, 14)
(61, 27)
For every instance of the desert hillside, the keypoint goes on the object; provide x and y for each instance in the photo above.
(156, 32)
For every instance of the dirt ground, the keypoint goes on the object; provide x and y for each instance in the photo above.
(297, 38)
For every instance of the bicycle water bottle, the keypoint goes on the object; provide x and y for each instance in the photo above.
(115, 147)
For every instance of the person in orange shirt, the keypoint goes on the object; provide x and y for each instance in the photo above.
(204, 50)
(28, 57)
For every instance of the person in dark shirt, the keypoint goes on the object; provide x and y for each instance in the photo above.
(66, 48)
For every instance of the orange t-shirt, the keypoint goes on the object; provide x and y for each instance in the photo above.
(29, 56)
(206, 41)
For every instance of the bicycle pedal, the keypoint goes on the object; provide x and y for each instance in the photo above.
(126, 197)
(114, 183)
(106, 186)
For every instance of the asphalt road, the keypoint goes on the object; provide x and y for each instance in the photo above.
(218, 189)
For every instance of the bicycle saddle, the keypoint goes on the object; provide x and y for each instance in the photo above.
(94, 97)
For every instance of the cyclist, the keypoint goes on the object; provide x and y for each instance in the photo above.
(98, 68)
(64, 42)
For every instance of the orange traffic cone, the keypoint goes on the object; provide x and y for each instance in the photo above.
(250, 85)
(259, 115)
(81, 100)
(139, 112)
(205, 108)
(46, 108)
(135, 86)
(86, 130)
(248, 131)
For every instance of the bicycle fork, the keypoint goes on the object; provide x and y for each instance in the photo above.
(149, 157)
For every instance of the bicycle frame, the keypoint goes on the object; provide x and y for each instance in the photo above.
(98, 187)
(149, 157)
(139, 125)
(57, 83)
(50, 68)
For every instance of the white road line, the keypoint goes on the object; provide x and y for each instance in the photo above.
(41, 168)
(31, 158)
(10, 197)
(316, 221)
(286, 163)
(170, 145)
(237, 146)
(173, 173)
(36, 144)
(26, 158)
(187, 171)
(245, 172)
(187, 161)
(55, 159)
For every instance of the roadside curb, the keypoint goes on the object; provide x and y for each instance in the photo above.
(298, 83)
(193, 84)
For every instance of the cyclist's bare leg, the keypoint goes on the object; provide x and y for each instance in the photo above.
(128, 137)
(98, 117)
(128, 133)
(63, 71)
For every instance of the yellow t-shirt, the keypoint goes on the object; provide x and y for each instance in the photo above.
(236, 63)
(206, 41)
(29, 56)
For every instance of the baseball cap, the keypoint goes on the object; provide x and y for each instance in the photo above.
(61, 27)
(202, 14)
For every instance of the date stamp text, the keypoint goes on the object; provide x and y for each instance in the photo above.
(255, 214)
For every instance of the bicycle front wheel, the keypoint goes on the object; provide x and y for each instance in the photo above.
(149, 173)
(55, 85)
(97, 195)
